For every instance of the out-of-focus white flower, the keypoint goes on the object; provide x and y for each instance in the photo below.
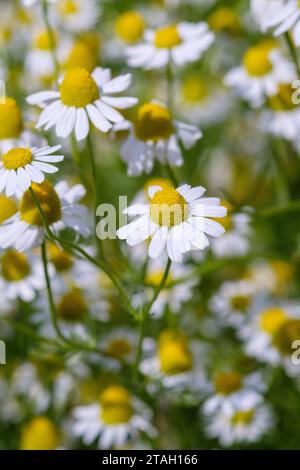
(83, 96)
(76, 15)
(264, 69)
(154, 135)
(31, 3)
(114, 421)
(179, 43)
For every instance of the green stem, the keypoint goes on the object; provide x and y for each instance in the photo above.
(171, 174)
(51, 38)
(293, 52)
(145, 313)
(280, 173)
(100, 264)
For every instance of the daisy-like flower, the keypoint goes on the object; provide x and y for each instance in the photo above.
(275, 277)
(130, 27)
(40, 434)
(76, 15)
(281, 15)
(263, 69)
(180, 43)
(31, 3)
(116, 420)
(231, 388)
(270, 332)
(120, 344)
(283, 117)
(21, 275)
(27, 387)
(174, 361)
(177, 220)
(154, 135)
(247, 422)
(20, 167)
(83, 96)
(25, 229)
(233, 301)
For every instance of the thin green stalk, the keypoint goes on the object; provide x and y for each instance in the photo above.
(293, 52)
(51, 38)
(100, 264)
(281, 179)
(171, 174)
(145, 313)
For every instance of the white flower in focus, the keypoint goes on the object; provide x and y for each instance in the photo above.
(20, 167)
(177, 220)
(117, 419)
(25, 229)
(154, 135)
(263, 69)
(181, 44)
(82, 97)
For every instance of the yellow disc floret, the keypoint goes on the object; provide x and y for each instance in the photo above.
(11, 122)
(39, 434)
(226, 222)
(43, 41)
(240, 302)
(224, 19)
(68, 7)
(17, 158)
(153, 122)
(168, 37)
(82, 55)
(242, 417)
(271, 319)
(168, 208)
(163, 183)
(286, 334)
(8, 208)
(78, 88)
(194, 89)
(49, 202)
(15, 266)
(61, 259)
(72, 306)
(257, 60)
(174, 354)
(119, 348)
(282, 101)
(227, 383)
(116, 405)
(130, 26)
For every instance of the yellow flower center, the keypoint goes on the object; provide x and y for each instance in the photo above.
(224, 19)
(154, 278)
(43, 41)
(168, 208)
(227, 383)
(256, 60)
(72, 306)
(40, 434)
(153, 122)
(168, 37)
(48, 200)
(272, 319)
(61, 259)
(15, 266)
(68, 7)
(78, 88)
(161, 182)
(284, 275)
(8, 208)
(11, 122)
(174, 354)
(240, 302)
(242, 417)
(282, 101)
(116, 405)
(17, 158)
(119, 348)
(194, 89)
(130, 26)
(83, 56)
(286, 334)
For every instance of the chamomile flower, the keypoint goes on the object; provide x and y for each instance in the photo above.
(177, 220)
(31, 3)
(40, 434)
(84, 52)
(180, 44)
(275, 277)
(270, 331)
(155, 135)
(231, 388)
(83, 96)
(233, 301)
(174, 361)
(130, 27)
(25, 229)
(21, 275)
(26, 386)
(115, 420)
(76, 15)
(20, 167)
(282, 16)
(120, 344)
(247, 422)
(263, 69)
